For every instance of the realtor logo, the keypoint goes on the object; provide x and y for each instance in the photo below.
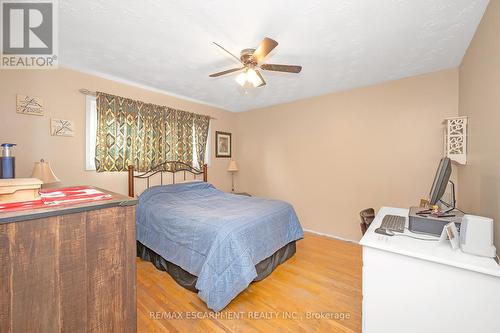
(29, 38)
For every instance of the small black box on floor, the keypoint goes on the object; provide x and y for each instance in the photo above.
(431, 225)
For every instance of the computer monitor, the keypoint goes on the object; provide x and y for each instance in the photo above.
(441, 180)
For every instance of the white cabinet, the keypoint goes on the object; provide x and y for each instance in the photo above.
(419, 286)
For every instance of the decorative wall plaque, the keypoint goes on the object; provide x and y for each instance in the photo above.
(29, 105)
(61, 127)
(456, 139)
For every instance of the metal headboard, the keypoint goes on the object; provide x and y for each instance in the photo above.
(170, 167)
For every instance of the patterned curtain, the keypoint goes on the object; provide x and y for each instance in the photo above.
(183, 150)
(142, 134)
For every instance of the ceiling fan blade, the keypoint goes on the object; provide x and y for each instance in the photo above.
(232, 55)
(281, 68)
(266, 46)
(226, 72)
(262, 79)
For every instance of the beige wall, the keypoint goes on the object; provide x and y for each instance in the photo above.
(480, 100)
(333, 155)
(59, 90)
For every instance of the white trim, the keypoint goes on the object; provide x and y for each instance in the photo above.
(90, 132)
(331, 236)
(141, 86)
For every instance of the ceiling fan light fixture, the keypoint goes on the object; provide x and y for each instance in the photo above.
(253, 78)
(241, 78)
(251, 60)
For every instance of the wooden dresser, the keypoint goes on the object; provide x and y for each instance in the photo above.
(69, 268)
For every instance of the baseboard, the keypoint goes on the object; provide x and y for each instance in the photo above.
(331, 236)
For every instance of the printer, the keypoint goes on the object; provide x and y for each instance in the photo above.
(421, 221)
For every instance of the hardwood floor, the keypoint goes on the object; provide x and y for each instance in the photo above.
(317, 290)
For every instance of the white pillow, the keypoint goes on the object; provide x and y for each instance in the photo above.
(189, 181)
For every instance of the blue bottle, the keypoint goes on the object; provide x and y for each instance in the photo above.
(7, 161)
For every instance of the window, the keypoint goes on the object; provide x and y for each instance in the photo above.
(207, 150)
(209, 144)
(91, 136)
(90, 132)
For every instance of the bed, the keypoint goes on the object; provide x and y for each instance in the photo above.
(211, 242)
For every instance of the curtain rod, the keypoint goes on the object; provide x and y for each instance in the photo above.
(87, 92)
(93, 93)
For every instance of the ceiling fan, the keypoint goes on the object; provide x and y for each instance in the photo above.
(251, 61)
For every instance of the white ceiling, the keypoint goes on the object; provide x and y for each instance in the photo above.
(167, 45)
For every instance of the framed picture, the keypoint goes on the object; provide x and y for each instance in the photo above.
(222, 144)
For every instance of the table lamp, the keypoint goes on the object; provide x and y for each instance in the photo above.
(232, 167)
(42, 171)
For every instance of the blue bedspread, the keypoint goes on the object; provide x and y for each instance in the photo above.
(218, 237)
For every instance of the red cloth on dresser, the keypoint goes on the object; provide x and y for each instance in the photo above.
(57, 197)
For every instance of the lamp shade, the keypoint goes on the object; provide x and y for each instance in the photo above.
(232, 167)
(42, 171)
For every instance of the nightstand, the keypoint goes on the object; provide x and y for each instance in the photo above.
(242, 193)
